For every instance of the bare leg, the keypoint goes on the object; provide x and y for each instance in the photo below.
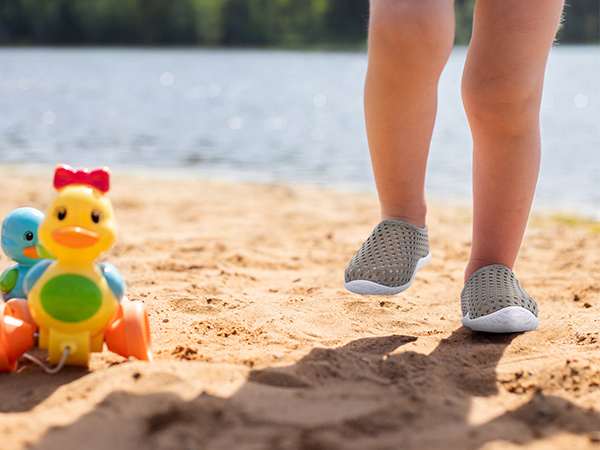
(502, 88)
(409, 44)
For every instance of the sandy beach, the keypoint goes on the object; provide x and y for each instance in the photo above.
(258, 346)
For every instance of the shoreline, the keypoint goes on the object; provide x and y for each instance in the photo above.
(583, 213)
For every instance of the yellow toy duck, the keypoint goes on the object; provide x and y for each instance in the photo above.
(76, 302)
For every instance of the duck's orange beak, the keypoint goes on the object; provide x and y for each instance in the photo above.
(75, 237)
(31, 252)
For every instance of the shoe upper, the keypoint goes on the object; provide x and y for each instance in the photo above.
(492, 288)
(390, 255)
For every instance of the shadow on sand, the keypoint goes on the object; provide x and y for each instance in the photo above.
(358, 396)
(24, 390)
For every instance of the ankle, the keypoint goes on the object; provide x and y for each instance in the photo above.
(414, 218)
(417, 222)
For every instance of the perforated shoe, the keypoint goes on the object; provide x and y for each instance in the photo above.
(388, 260)
(493, 300)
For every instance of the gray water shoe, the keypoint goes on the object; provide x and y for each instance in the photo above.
(388, 260)
(493, 300)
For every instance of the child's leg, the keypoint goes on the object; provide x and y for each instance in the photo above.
(502, 88)
(409, 44)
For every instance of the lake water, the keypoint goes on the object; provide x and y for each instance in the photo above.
(269, 116)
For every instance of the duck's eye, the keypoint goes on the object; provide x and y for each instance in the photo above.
(96, 215)
(61, 212)
(28, 236)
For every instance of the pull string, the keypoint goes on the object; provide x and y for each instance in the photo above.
(47, 369)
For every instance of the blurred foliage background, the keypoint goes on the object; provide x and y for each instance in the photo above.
(290, 23)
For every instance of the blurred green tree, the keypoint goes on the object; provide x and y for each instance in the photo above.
(463, 10)
(228, 22)
(347, 20)
(208, 21)
(581, 22)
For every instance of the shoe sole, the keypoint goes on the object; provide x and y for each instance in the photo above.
(512, 319)
(365, 287)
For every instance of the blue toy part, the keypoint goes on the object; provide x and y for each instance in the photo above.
(11, 281)
(8, 280)
(34, 274)
(20, 235)
(114, 279)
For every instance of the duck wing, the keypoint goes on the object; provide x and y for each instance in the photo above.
(34, 274)
(8, 279)
(114, 279)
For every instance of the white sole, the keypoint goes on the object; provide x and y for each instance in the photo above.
(365, 287)
(512, 319)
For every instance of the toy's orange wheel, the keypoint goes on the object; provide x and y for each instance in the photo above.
(137, 330)
(16, 338)
(129, 333)
(19, 308)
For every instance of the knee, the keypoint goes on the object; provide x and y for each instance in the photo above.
(506, 101)
(412, 30)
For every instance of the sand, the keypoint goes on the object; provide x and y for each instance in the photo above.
(258, 346)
